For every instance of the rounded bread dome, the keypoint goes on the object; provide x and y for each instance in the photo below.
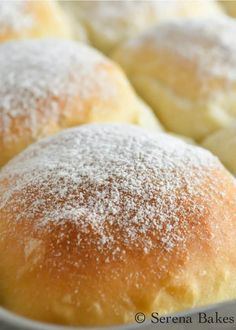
(108, 220)
(186, 70)
(108, 23)
(48, 85)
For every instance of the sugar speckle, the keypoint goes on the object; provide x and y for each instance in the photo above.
(45, 75)
(14, 16)
(128, 187)
(193, 39)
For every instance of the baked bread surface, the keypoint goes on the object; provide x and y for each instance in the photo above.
(103, 221)
(186, 71)
(48, 85)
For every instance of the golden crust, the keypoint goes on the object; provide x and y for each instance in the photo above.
(57, 272)
(59, 84)
(193, 94)
(32, 19)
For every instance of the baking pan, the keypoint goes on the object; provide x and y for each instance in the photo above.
(214, 314)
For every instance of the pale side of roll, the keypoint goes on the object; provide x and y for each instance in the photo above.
(109, 23)
(223, 144)
(21, 19)
(48, 85)
(102, 221)
(186, 70)
(79, 31)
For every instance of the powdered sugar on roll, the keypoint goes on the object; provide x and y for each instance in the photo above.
(35, 74)
(208, 43)
(14, 15)
(122, 185)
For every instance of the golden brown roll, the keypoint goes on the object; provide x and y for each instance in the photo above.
(47, 85)
(20, 19)
(109, 23)
(186, 70)
(223, 144)
(102, 221)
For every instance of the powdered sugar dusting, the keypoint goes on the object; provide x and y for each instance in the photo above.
(44, 75)
(118, 182)
(111, 19)
(14, 16)
(210, 43)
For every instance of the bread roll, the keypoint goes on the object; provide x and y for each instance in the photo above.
(20, 19)
(223, 144)
(103, 221)
(186, 70)
(109, 23)
(49, 85)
